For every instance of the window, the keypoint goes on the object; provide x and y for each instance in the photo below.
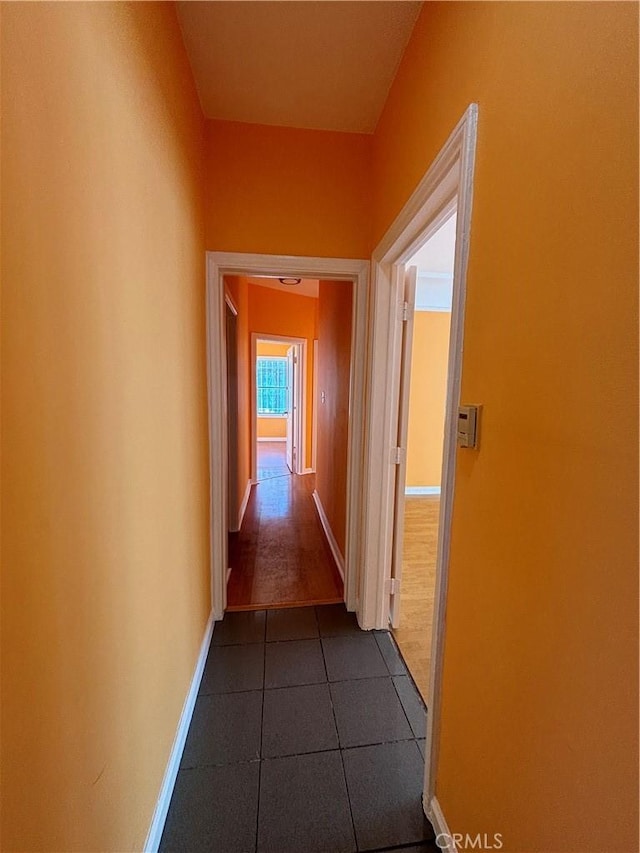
(271, 384)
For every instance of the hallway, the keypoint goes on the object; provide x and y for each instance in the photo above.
(307, 735)
(280, 557)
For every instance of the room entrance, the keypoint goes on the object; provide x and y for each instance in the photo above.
(289, 454)
(281, 406)
(428, 291)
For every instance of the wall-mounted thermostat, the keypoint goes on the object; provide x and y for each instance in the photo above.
(468, 417)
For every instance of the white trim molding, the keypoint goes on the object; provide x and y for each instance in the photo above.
(232, 305)
(444, 837)
(423, 491)
(270, 439)
(314, 424)
(328, 532)
(220, 264)
(447, 186)
(154, 835)
(462, 146)
(243, 505)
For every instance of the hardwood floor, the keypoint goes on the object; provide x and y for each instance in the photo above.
(280, 558)
(271, 460)
(418, 587)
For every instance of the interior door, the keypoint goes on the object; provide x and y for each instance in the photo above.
(406, 318)
(291, 411)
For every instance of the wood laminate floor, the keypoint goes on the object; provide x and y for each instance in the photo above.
(418, 587)
(272, 460)
(280, 558)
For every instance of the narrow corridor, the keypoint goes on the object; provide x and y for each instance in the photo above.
(307, 737)
(280, 557)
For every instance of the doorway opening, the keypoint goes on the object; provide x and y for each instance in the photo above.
(446, 187)
(231, 351)
(281, 373)
(289, 543)
(315, 443)
(423, 393)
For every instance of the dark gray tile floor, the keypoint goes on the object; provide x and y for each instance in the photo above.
(307, 735)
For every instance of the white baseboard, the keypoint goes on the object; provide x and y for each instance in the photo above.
(424, 491)
(444, 839)
(271, 439)
(166, 790)
(309, 471)
(243, 505)
(328, 532)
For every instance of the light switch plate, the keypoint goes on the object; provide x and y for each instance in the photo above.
(468, 419)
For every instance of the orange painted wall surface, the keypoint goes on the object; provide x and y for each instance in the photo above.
(334, 354)
(427, 396)
(238, 289)
(271, 348)
(540, 713)
(288, 192)
(105, 588)
(273, 312)
(272, 427)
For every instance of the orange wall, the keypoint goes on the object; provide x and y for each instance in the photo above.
(273, 312)
(427, 397)
(540, 715)
(104, 445)
(334, 354)
(105, 588)
(272, 427)
(238, 289)
(287, 191)
(271, 348)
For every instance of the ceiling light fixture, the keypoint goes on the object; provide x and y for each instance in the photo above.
(290, 281)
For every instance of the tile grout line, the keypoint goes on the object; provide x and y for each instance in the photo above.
(412, 682)
(407, 671)
(404, 710)
(391, 677)
(340, 750)
(264, 677)
(296, 754)
(346, 786)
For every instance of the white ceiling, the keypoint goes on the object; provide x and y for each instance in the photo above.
(314, 64)
(434, 288)
(307, 286)
(436, 256)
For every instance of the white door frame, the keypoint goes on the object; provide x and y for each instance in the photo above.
(299, 395)
(233, 522)
(448, 184)
(404, 389)
(220, 264)
(314, 413)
